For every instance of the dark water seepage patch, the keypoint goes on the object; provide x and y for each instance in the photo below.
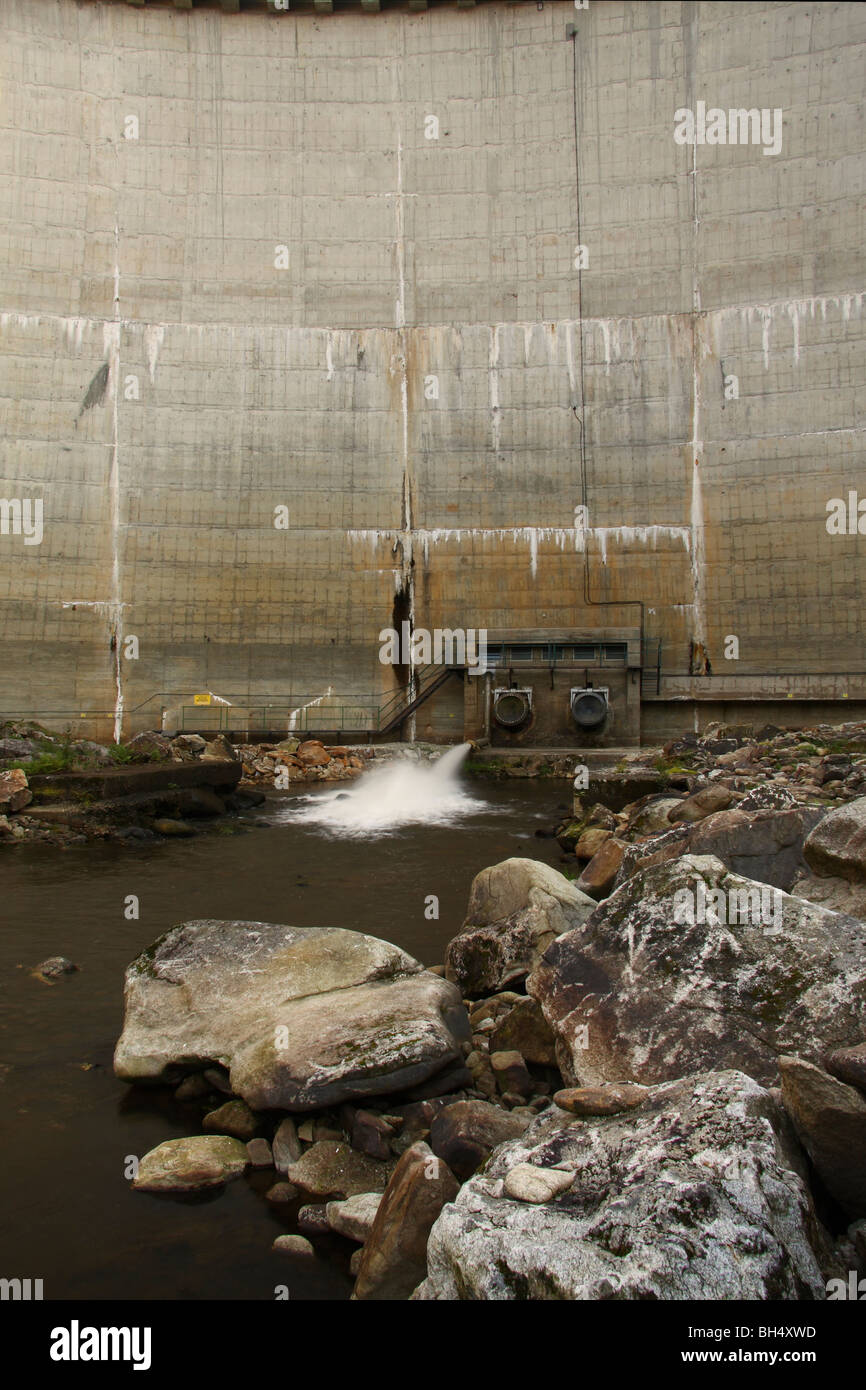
(68, 1214)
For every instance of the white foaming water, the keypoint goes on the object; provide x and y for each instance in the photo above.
(401, 793)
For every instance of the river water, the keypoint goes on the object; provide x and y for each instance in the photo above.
(69, 1216)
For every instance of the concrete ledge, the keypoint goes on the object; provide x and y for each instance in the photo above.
(748, 688)
(146, 778)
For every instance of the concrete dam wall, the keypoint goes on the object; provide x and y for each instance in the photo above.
(314, 323)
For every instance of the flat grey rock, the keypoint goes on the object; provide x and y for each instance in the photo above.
(301, 1018)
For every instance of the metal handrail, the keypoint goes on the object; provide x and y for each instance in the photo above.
(346, 715)
(402, 696)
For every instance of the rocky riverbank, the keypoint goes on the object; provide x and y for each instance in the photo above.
(656, 1091)
(750, 801)
(57, 791)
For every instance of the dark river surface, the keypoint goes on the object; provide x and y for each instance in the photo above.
(69, 1215)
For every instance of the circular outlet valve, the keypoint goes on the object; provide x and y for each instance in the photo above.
(511, 708)
(588, 708)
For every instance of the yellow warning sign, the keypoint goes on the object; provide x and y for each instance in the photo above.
(203, 699)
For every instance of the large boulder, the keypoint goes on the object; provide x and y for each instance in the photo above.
(515, 910)
(642, 993)
(695, 1195)
(303, 1018)
(830, 1118)
(187, 747)
(197, 802)
(837, 845)
(765, 845)
(313, 754)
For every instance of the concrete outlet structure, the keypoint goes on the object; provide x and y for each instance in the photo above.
(547, 321)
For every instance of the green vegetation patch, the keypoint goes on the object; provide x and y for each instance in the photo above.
(673, 767)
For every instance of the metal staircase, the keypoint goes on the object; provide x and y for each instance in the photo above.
(398, 708)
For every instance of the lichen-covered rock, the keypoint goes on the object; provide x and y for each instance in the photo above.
(696, 1194)
(23, 748)
(837, 845)
(637, 995)
(150, 746)
(185, 1165)
(657, 849)
(515, 910)
(651, 814)
(303, 1018)
(770, 797)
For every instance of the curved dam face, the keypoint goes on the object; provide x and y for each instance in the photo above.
(315, 323)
